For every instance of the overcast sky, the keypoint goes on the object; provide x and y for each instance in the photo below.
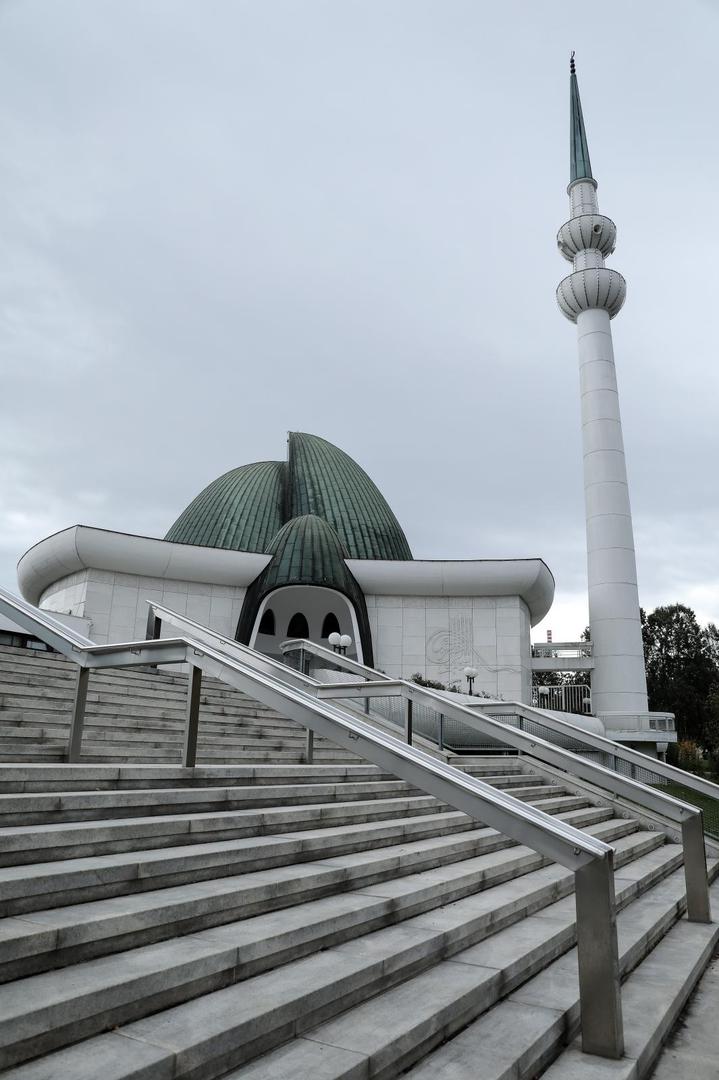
(220, 221)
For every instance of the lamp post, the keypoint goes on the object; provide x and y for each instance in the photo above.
(340, 642)
(470, 675)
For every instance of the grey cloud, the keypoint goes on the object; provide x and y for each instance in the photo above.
(224, 221)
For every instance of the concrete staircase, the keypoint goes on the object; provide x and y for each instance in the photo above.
(137, 716)
(297, 922)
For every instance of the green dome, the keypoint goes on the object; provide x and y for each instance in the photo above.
(325, 481)
(244, 509)
(306, 551)
(241, 510)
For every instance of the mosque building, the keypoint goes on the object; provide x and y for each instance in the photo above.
(303, 548)
(309, 547)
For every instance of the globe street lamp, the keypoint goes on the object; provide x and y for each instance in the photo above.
(470, 675)
(345, 642)
(335, 640)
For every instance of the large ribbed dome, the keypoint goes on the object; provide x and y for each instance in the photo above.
(244, 509)
(241, 510)
(325, 481)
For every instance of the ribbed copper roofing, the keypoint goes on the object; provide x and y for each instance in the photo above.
(245, 508)
(324, 481)
(241, 510)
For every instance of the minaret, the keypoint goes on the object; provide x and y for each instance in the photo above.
(590, 297)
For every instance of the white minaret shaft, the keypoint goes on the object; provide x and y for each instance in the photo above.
(590, 297)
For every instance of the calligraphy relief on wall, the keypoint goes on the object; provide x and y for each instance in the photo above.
(449, 651)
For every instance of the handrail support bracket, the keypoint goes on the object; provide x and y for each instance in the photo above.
(192, 717)
(598, 959)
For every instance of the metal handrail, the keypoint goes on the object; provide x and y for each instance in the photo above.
(344, 662)
(547, 719)
(589, 858)
(687, 817)
(608, 746)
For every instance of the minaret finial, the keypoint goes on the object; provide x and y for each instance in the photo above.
(580, 167)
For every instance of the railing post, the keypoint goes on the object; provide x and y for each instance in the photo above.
(440, 731)
(695, 869)
(192, 717)
(598, 959)
(408, 721)
(74, 742)
(154, 629)
(154, 626)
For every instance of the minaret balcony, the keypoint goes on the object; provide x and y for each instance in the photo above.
(596, 287)
(587, 232)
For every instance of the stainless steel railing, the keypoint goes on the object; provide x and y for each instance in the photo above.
(651, 772)
(590, 860)
(545, 748)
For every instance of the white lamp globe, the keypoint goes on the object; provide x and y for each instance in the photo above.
(470, 672)
(334, 639)
(345, 641)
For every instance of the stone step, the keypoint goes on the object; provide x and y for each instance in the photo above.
(46, 704)
(13, 660)
(524, 1034)
(220, 717)
(83, 777)
(114, 736)
(37, 807)
(118, 736)
(392, 1031)
(431, 966)
(61, 935)
(31, 680)
(97, 753)
(691, 1049)
(26, 888)
(34, 682)
(68, 840)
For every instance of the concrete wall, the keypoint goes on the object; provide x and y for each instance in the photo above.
(115, 603)
(440, 636)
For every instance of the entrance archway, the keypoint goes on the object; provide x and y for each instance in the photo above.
(317, 606)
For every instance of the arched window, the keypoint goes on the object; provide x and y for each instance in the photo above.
(330, 625)
(298, 626)
(267, 623)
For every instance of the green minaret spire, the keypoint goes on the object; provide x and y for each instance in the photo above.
(580, 167)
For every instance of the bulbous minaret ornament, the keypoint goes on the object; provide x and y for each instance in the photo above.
(590, 296)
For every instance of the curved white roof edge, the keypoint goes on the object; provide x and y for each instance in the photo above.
(83, 547)
(529, 578)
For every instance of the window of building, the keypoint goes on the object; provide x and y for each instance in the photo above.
(298, 626)
(330, 625)
(267, 623)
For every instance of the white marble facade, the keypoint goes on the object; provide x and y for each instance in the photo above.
(440, 636)
(115, 603)
(435, 636)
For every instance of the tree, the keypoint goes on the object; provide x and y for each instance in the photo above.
(682, 663)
